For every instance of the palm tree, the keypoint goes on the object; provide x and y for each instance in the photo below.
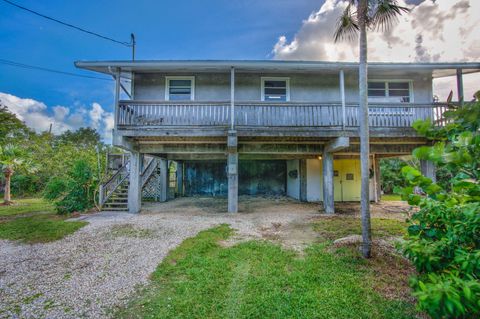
(358, 16)
(11, 159)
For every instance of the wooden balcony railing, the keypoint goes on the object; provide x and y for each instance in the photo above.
(138, 114)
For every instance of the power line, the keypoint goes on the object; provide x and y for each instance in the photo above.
(34, 67)
(128, 44)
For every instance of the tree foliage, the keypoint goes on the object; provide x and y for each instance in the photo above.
(443, 240)
(71, 158)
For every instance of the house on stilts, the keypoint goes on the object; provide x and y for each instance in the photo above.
(224, 128)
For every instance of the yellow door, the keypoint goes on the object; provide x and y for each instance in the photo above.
(350, 180)
(346, 178)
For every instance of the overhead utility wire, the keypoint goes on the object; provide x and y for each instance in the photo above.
(34, 67)
(128, 44)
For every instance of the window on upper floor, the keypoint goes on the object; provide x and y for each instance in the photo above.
(179, 88)
(390, 91)
(275, 89)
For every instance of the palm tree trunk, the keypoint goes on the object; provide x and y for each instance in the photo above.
(364, 131)
(8, 171)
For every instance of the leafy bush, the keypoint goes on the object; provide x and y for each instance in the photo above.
(75, 191)
(443, 240)
(390, 169)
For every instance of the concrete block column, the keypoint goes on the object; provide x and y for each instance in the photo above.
(135, 187)
(163, 180)
(428, 169)
(328, 190)
(232, 171)
(303, 179)
(180, 166)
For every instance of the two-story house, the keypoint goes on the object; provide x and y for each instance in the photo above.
(265, 127)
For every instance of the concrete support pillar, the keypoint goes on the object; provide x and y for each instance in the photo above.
(135, 187)
(303, 179)
(180, 168)
(428, 169)
(163, 180)
(232, 172)
(378, 179)
(328, 190)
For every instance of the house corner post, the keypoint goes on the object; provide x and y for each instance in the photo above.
(232, 171)
(429, 170)
(328, 188)
(116, 98)
(377, 175)
(163, 180)
(135, 183)
(460, 92)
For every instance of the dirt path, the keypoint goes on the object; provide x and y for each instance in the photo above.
(97, 268)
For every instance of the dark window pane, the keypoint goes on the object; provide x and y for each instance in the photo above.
(376, 92)
(275, 91)
(174, 90)
(399, 85)
(275, 84)
(398, 93)
(376, 85)
(180, 83)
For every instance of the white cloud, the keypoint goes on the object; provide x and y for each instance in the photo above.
(96, 114)
(39, 117)
(441, 30)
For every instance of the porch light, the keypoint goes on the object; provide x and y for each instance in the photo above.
(320, 158)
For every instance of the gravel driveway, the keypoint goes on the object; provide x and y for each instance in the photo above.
(90, 272)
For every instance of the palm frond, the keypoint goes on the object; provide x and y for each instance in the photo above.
(385, 13)
(347, 26)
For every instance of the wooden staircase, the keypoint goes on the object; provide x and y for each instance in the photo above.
(118, 201)
(113, 194)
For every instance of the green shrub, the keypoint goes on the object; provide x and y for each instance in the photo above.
(74, 192)
(443, 240)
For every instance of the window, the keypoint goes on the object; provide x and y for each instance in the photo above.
(276, 89)
(391, 91)
(179, 88)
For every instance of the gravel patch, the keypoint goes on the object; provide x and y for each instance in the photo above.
(96, 269)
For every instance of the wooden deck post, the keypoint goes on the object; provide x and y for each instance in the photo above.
(117, 97)
(328, 190)
(460, 92)
(163, 180)
(232, 172)
(232, 98)
(428, 170)
(135, 183)
(342, 96)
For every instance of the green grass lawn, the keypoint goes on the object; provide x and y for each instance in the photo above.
(27, 206)
(257, 279)
(34, 221)
(391, 197)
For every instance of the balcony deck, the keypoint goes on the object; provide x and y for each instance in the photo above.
(154, 118)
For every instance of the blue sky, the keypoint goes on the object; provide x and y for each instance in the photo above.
(214, 29)
(201, 29)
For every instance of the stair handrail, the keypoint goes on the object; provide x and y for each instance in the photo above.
(111, 185)
(148, 171)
